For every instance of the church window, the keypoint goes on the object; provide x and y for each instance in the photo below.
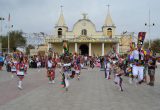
(109, 32)
(59, 32)
(84, 32)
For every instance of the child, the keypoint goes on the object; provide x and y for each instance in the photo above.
(118, 79)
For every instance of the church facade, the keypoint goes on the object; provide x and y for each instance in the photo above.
(84, 38)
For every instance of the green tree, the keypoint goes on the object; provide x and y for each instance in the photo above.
(155, 45)
(16, 39)
(146, 45)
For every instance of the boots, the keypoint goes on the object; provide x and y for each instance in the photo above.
(20, 85)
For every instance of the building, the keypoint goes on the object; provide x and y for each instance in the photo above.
(34, 39)
(125, 41)
(84, 38)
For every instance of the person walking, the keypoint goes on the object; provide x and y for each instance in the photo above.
(151, 69)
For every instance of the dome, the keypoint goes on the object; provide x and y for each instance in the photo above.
(84, 24)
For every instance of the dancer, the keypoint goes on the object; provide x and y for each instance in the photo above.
(66, 59)
(151, 69)
(51, 64)
(13, 67)
(138, 66)
(118, 79)
(20, 72)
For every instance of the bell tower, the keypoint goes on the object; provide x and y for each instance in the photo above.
(61, 27)
(108, 27)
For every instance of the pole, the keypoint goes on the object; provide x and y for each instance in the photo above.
(8, 33)
(8, 39)
(1, 36)
(1, 19)
(149, 30)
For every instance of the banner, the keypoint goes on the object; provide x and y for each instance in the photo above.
(141, 37)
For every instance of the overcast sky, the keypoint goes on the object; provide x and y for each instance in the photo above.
(41, 15)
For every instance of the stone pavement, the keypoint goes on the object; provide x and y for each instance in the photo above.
(92, 92)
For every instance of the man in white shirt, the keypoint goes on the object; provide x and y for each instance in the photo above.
(138, 65)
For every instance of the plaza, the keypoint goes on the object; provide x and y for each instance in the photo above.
(91, 92)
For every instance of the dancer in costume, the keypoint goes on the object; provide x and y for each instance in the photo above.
(151, 69)
(118, 76)
(77, 70)
(66, 59)
(138, 66)
(20, 67)
(13, 66)
(138, 56)
(51, 65)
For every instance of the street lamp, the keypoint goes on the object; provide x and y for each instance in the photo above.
(1, 19)
(149, 25)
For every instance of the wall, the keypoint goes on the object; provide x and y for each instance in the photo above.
(58, 47)
(96, 49)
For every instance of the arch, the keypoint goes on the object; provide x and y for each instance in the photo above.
(109, 32)
(84, 50)
(60, 32)
(84, 32)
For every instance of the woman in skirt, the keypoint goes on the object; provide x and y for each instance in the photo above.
(13, 67)
(20, 67)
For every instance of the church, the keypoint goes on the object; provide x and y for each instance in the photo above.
(84, 39)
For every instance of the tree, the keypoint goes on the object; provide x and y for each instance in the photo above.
(155, 45)
(16, 40)
(146, 45)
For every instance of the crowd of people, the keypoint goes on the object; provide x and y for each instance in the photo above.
(133, 65)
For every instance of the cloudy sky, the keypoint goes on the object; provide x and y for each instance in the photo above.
(42, 15)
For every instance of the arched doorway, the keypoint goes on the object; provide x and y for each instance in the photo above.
(84, 49)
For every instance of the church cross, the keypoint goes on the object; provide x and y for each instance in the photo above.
(84, 15)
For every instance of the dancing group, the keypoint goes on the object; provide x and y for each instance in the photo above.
(137, 62)
(16, 64)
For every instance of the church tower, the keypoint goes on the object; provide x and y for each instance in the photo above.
(61, 27)
(108, 27)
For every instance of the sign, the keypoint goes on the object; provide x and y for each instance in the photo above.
(141, 37)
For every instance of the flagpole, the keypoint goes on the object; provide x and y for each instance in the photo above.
(8, 34)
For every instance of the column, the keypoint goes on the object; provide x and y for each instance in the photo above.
(90, 49)
(49, 46)
(102, 49)
(117, 47)
(76, 49)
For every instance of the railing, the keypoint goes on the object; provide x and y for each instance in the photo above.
(82, 39)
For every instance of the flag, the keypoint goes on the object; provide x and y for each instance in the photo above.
(9, 17)
(141, 37)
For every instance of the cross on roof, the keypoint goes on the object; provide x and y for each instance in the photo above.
(108, 6)
(61, 7)
(84, 15)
